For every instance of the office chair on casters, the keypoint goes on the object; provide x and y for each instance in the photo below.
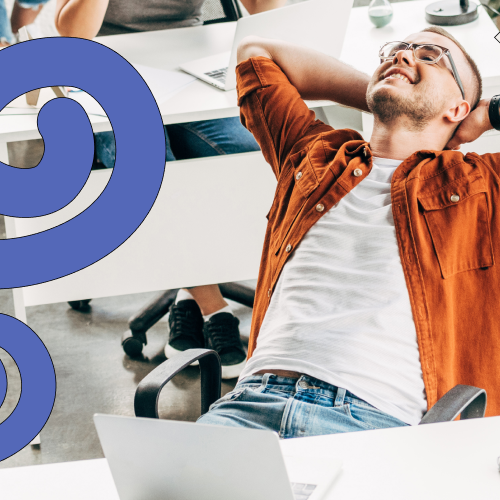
(463, 400)
(133, 340)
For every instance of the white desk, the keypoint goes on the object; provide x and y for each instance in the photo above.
(208, 223)
(450, 461)
(194, 222)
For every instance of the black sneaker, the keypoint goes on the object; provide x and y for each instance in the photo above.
(222, 334)
(185, 323)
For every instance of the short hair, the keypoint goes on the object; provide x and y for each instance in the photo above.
(476, 81)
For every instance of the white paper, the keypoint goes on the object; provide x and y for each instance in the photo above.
(164, 84)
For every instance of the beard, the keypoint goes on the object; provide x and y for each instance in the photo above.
(419, 108)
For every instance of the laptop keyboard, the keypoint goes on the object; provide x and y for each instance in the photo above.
(218, 74)
(302, 491)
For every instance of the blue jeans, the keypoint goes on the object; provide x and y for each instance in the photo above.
(5, 29)
(190, 140)
(295, 408)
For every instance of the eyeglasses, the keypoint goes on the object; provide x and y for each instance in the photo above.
(427, 53)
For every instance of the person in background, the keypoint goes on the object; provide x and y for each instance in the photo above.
(23, 14)
(200, 317)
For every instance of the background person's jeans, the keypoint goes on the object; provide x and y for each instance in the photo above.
(190, 140)
(5, 29)
(295, 408)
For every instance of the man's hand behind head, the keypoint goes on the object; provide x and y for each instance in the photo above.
(475, 124)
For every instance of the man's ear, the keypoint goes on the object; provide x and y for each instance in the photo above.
(458, 113)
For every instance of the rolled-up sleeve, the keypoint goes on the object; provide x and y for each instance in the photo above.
(272, 110)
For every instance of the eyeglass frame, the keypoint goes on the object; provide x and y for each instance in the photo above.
(445, 51)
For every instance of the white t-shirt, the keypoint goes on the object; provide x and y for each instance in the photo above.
(341, 312)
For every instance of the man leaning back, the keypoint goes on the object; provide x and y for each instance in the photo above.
(378, 288)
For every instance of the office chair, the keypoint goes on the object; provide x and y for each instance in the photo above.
(133, 340)
(463, 400)
(220, 11)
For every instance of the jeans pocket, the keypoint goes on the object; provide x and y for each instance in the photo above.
(230, 396)
(359, 414)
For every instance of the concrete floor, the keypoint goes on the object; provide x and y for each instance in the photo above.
(93, 373)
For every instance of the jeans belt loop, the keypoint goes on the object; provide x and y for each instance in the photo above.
(339, 398)
(265, 379)
(299, 383)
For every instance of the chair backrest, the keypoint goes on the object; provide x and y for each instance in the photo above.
(220, 11)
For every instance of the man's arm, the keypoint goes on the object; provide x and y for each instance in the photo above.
(273, 79)
(475, 124)
(80, 18)
(315, 75)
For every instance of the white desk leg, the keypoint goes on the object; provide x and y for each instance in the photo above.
(17, 293)
(36, 441)
(10, 232)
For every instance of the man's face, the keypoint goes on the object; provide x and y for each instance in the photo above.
(431, 88)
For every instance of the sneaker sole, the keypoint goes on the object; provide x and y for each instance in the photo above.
(233, 371)
(171, 352)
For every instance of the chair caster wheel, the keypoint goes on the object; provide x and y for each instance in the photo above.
(79, 305)
(131, 345)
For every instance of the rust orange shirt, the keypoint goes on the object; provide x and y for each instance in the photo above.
(447, 227)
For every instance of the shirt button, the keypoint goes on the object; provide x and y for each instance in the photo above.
(357, 172)
(454, 198)
(269, 293)
(288, 248)
(320, 207)
(298, 176)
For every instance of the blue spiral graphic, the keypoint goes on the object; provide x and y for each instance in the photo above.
(38, 385)
(61, 174)
(56, 181)
(3, 383)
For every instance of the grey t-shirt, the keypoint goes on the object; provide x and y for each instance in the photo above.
(129, 16)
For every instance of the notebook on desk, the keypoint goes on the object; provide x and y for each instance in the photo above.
(164, 459)
(317, 24)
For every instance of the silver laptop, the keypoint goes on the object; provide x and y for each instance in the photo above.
(317, 24)
(154, 459)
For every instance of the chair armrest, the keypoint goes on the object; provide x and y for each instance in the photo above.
(464, 400)
(148, 391)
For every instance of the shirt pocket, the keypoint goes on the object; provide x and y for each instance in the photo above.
(457, 217)
(298, 184)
